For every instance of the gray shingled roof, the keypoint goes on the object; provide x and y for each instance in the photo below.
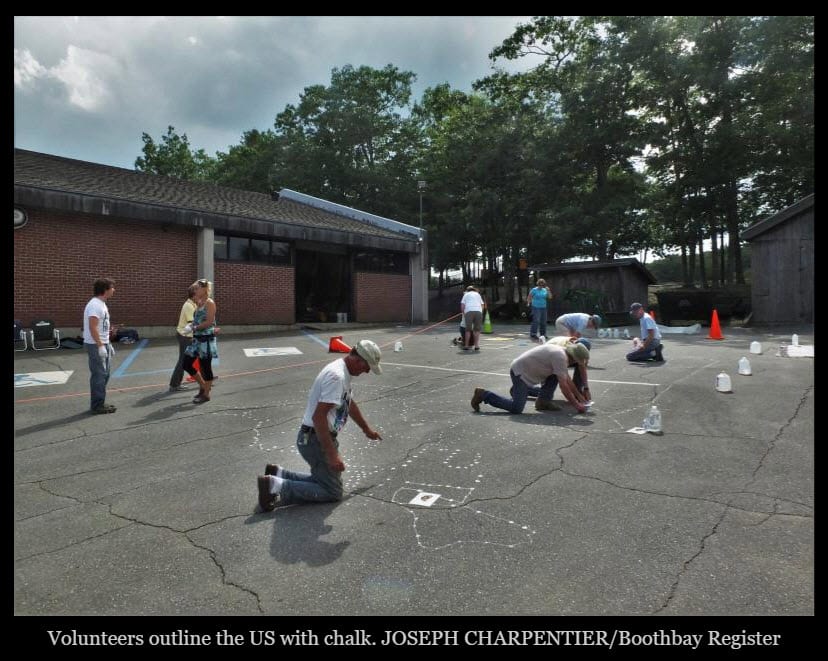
(581, 266)
(769, 223)
(34, 170)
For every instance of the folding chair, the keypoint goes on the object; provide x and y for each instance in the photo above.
(20, 335)
(43, 330)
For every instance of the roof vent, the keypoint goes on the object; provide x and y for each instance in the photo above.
(274, 195)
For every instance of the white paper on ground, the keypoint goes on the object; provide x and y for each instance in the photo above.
(801, 351)
(424, 499)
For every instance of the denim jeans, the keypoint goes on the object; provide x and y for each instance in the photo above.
(98, 375)
(538, 322)
(519, 392)
(643, 355)
(322, 484)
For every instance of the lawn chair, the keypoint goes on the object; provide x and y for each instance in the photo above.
(43, 330)
(20, 335)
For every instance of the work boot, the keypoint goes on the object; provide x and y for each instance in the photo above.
(546, 405)
(477, 398)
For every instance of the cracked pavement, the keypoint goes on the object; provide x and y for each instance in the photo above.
(152, 510)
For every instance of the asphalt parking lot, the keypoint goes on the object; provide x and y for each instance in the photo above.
(152, 510)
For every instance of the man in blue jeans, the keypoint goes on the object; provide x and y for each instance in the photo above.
(99, 349)
(545, 364)
(651, 346)
(330, 403)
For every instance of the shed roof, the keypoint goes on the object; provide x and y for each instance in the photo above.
(772, 221)
(585, 266)
(54, 182)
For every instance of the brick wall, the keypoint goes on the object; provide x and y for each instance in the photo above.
(382, 297)
(254, 293)
(57, 257)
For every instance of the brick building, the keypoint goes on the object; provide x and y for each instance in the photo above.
(275, 260)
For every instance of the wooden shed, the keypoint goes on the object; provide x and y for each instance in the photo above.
(607, 287)
(782, 265)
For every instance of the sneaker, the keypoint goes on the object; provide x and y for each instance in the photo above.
(546, 405)
(178, 388)
(267, 500)
(477, 348)
(104, 408)
(477, 398)
(272, 469)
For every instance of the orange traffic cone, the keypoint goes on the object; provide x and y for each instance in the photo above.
(336, 345)
(197, 367)
(715, 330)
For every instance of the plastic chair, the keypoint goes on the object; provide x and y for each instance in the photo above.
(20, 335)
(43, 330)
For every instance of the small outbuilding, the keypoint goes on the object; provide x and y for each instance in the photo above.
(608, 287)
(782, 265)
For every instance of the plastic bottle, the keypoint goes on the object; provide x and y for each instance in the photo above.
(744, 366)
(755, 347)
(794, 340)
(626, 333)
(652, 422)
(398, 346)
(723, 383)
(616, 333)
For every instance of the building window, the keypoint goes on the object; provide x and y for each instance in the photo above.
(378, 261)
(244, 249)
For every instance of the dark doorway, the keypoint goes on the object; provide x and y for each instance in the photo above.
(323, 286)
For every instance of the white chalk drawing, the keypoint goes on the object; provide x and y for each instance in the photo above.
(271, 351)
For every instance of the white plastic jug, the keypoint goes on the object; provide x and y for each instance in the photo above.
(794, 340)
(755, 347)
(723, 383)
(652, 422)
(744, 366)
(636, 344)
(626, 333)
(602, 332)
(616, 333)
(398, 346)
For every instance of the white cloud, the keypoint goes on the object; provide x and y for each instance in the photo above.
(87, 87)
(26, 69)
(86, 75)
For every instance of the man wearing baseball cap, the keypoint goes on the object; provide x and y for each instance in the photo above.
(330, 404)
(650, 347)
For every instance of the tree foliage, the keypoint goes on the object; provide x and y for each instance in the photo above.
(629, 134)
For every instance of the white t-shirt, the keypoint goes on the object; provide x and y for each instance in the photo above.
(472, 301)
(575, 321)
(96, 308)
(332, 386)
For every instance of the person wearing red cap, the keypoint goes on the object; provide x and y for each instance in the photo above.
(330, 404)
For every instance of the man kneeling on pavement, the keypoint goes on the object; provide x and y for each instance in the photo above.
(545, 364)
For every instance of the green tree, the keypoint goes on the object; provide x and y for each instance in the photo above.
(174, 158)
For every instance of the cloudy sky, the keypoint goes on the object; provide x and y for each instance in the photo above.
(88, 87)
